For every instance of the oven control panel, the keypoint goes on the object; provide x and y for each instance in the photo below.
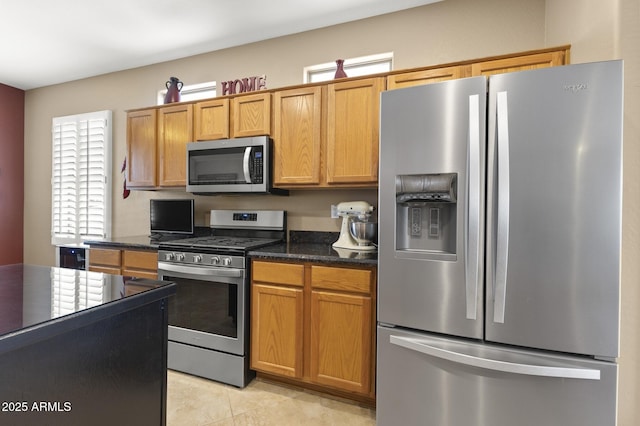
(188, 258)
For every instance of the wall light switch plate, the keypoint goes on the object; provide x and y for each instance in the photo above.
(334, 212)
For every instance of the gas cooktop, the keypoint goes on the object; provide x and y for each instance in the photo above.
(220, 243)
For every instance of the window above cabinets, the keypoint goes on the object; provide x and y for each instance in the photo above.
(353, 67)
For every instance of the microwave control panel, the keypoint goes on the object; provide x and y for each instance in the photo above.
(257, 167)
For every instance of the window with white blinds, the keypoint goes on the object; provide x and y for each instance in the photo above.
(81, 187)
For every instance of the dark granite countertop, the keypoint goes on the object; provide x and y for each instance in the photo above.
(34, 297)
(139, 242)
(320, 253)
(309, 246)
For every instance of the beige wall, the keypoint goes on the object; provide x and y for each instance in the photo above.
(444, 32)
(599, 31)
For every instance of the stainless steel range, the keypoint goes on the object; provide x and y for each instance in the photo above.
(209, 314)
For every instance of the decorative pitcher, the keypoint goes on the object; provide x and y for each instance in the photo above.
(174, 85)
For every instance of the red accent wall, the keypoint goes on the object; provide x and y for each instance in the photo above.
(11, 174)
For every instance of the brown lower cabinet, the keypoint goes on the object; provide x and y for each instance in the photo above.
(131, 263)
(314, 325)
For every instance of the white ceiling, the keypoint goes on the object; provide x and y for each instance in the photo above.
(47, 42)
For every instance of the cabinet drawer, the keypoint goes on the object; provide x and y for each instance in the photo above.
(104, 257)
(278, 273)
(105, 269)
(133, 259)
(343, 279)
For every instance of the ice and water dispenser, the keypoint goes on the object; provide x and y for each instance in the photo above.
(426, 207)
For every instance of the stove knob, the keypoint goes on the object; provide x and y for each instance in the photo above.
(226, 261)
(180, 257)
(215, 260)
(197, 258)
(168, 256)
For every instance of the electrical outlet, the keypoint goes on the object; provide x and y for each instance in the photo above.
(334, 212)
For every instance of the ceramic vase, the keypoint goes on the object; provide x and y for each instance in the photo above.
(174, 85)
(340, 69)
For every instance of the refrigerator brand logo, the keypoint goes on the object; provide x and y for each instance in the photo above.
(575, 87)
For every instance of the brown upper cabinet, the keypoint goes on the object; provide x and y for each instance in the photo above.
(141, 149)
(433, 75)
(298, 136)
(251, 115)
(327, 135)
(175, 130)
(353, 109)
(156, 146)
(521, 63)
(495, 65)
(211, 119)
(237, 117)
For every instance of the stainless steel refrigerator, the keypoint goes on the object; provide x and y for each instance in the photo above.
(499, 249)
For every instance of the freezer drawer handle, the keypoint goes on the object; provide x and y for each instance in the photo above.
(491, 364)
(502, 243)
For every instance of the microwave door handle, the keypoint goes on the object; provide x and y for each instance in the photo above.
(502, 239)
(245, 164)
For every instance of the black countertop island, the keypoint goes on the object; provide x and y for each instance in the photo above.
(79, 347)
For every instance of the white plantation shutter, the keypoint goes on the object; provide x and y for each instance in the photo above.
(81, 189)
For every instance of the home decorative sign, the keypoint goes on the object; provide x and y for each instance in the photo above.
(242, 85)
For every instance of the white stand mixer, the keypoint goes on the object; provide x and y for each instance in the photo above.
(347, 210)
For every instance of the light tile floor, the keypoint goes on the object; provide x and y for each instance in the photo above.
(193, 401)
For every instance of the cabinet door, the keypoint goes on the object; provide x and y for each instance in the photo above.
(211, 119)
(520, 63)
(341, 342)
(352, 131)
(276, 330)
(251, 115)
(277, 318)
(141, 148)
(175, 129)
(297, 136)
(398, 81)
(341, 327)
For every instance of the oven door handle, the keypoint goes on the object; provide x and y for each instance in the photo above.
(197, 270)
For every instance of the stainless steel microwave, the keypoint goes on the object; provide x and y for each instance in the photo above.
(241, 165)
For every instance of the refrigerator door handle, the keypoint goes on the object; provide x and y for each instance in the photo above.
(495, 365)
(473, 205)
(502, 240)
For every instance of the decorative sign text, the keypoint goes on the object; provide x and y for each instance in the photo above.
(242, 85)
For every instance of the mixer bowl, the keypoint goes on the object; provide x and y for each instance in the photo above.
(364, 232)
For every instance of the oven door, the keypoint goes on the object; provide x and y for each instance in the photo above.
(209, 309)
